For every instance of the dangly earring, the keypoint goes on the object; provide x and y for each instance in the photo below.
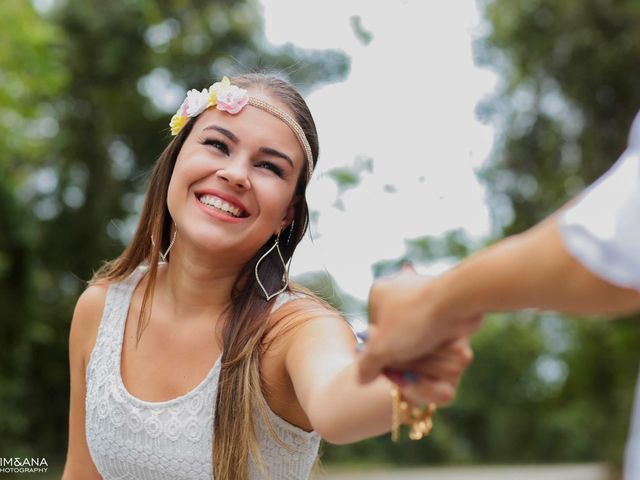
(290, 232)
(285, 270)
(163, 256)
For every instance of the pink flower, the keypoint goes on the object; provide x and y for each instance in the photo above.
(231, 99)
(182, 111)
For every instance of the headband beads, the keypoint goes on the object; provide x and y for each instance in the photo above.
(232, 99)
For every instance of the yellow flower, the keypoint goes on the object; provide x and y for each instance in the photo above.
(213, 98)
(215, 88)
(177, 122)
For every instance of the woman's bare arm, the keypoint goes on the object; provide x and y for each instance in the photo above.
(321, 362)
(84, 327)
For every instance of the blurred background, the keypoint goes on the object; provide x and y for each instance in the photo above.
(443, 127)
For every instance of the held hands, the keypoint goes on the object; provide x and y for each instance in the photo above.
(435, 376)
(412, 329)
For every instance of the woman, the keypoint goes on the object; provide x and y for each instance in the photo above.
(237, 373)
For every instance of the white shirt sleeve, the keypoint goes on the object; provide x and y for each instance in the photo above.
(632, 454)
(602, 229)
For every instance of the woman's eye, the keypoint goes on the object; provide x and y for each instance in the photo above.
(271, 166)
(217, 144)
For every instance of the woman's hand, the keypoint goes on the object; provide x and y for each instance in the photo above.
(434, 377)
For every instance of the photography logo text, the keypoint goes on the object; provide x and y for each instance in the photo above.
(23, 465)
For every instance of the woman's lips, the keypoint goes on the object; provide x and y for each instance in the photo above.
(222, 205)
(220, 197)
(218, 212)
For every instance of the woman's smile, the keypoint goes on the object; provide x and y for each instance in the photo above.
(221, 206)
(225, 202)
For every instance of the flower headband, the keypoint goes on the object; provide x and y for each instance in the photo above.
(232, 99)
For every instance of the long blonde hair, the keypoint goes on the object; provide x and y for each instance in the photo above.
(246, 321)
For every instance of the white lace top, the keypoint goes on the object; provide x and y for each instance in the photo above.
(133, 439)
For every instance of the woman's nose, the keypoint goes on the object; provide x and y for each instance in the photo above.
(236, 173)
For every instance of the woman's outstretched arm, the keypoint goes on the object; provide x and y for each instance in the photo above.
(321, 361)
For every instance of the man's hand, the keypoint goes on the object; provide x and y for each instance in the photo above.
(407, 323)
(435, 377)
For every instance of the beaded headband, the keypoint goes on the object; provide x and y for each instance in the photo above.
(232, 99)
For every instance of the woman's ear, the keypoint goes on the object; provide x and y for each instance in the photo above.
(289, 215)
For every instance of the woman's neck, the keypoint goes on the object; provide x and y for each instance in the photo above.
(194, 286)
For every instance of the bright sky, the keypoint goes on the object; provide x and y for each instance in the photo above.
(408, 103)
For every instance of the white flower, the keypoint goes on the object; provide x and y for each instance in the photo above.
(197, 102)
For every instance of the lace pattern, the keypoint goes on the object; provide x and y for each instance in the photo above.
(132, 439)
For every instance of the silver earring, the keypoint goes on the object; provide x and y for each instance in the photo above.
(290, 232)
(285, 276)
(163, 256)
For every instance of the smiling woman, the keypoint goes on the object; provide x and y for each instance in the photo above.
(238, 374)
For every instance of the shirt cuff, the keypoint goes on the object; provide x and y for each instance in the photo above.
(602, 229)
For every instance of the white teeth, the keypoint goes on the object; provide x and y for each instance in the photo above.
(220, 204)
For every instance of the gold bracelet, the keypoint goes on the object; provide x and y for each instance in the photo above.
(419, 418)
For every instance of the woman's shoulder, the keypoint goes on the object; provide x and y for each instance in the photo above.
(302, 303)
(86, 318)
(93, 298)
(297, 309)
(89, 310)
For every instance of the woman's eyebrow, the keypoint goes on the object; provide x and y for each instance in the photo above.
(276, 153)
(223, 131)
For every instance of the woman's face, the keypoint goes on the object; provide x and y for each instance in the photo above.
(234, 180)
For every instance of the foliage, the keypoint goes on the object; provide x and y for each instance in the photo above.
(570, 74)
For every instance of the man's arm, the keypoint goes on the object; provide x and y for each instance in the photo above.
(531, 270)
(413, 314)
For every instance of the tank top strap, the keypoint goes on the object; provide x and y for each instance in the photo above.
(284, 298)
(119, 296)
(116, 306)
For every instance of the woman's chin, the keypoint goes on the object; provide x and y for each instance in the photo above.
(218, 245)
